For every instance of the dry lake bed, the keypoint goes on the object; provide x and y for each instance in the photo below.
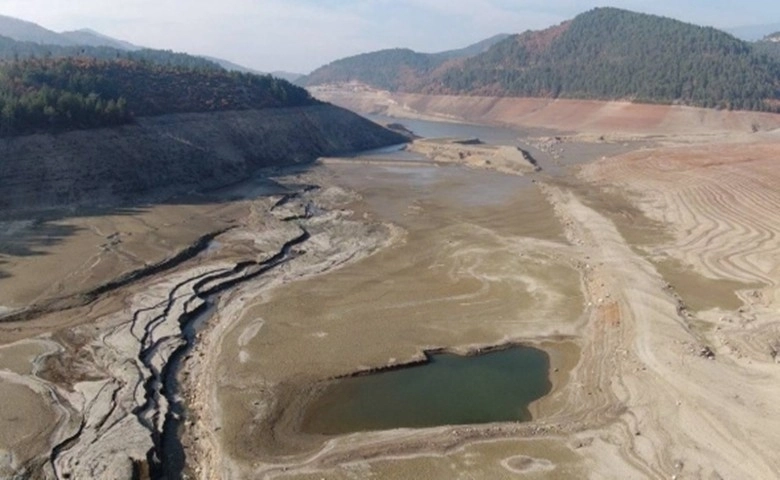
(446, 311)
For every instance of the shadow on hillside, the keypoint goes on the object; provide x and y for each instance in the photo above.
(33, 238)
(35, 234)
(3, 273)
(38, 234)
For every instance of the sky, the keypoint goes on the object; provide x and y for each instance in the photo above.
(301, 35)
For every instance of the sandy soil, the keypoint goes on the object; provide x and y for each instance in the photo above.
(621, 119)
(649, 277)
(78, 254)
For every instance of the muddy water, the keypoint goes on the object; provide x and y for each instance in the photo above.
(448, 390)
(568, 151)
(480, 263)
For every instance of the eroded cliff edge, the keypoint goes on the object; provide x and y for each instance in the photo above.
(172, 154)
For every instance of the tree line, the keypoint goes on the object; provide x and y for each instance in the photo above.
(605, 54)
(609, 53)
(15, 50)
(392, 69)
(55, 94)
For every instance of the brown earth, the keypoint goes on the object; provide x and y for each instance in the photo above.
(650, 277)
(581, 116)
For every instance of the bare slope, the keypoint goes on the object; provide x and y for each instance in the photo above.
(173, 154)
(584, 116)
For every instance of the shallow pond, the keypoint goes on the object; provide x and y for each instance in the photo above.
(448, 390)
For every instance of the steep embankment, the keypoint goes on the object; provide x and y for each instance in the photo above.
(173, 154)
(585, 116)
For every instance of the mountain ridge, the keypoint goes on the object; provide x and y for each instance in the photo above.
(24, 31)
(87, 36)
(752, 33)
(378, 67)
(605, 53)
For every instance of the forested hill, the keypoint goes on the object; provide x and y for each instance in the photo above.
(393, 69)
(609, 53)
(22, 39)
(73, 93)
(769, 45)
(11, 49)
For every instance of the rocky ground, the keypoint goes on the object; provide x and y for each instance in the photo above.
(473, 153)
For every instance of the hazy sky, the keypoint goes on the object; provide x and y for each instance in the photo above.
(300, 35)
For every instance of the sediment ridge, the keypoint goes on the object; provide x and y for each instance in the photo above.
(474, 154)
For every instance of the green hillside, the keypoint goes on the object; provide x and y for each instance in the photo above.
(15, 50)
(605, 53)
(71, 93)
(769, 45)
(22, 39)
(388, 69)
(392, 69)
(609, 53)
